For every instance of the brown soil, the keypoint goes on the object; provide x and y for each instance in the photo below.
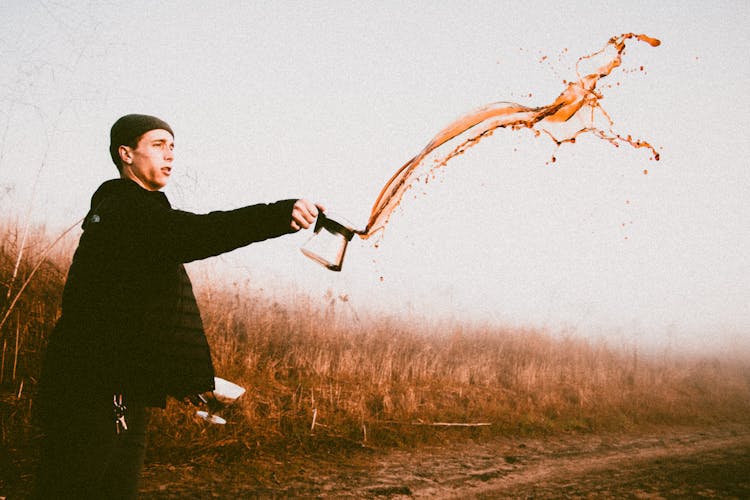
(676, 463)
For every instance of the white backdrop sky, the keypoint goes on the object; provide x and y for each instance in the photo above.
(325, 100)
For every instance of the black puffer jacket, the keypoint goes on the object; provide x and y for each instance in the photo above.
(129, 320)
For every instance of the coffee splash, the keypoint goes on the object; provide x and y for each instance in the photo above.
(579, 100)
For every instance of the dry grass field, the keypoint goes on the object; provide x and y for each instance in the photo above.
(323, 382)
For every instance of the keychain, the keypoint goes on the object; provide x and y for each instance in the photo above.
(119, 410)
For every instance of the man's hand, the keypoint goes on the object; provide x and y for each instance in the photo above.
(304, 214)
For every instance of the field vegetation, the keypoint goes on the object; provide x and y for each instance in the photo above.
(321, 378)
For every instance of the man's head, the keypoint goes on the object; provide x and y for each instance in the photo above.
(141, 148)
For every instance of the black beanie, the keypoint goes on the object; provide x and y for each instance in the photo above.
(130, 127)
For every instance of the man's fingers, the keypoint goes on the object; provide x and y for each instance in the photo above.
(304, 214)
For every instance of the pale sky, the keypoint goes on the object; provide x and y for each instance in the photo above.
(325, 100)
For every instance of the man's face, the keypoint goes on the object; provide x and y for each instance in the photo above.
(150, 163)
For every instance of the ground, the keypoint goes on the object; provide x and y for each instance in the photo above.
(674, 463)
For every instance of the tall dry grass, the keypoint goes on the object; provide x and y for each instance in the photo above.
(30, 291)
(385, 379)
(318, 374)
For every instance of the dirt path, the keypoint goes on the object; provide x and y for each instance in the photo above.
(711, 463)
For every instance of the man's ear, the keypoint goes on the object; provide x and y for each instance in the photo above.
(126, 154)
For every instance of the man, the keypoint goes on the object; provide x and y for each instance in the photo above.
(130, 333)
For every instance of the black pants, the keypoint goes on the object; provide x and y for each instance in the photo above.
(84, 457)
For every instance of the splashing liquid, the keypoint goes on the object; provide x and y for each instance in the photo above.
(579, 100)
